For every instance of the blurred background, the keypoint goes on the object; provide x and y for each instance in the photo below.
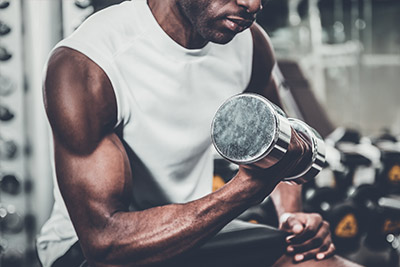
(341, 63)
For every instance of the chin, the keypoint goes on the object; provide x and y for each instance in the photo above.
(222, 38)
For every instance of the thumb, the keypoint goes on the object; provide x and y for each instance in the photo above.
(291, 223)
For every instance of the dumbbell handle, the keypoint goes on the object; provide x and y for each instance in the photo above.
(318, 153)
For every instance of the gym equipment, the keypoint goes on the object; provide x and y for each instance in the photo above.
(5, 114)
(389, 176)
(380, 212)
(359, 170)
(6, 86)
(4, 4)
(10, 220)
(4, 54)
(366, 197)
(344, 135)
(249, 129)
(10, 184)
(385, 137)
(8, 149)
(345, 219)
(318, 152)
(4, 28)
(83, 3)
(358, 155)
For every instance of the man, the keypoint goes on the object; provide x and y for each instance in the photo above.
(130, 97)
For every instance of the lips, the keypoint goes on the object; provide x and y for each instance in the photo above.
(237, 24)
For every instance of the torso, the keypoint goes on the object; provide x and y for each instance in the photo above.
(166, 97)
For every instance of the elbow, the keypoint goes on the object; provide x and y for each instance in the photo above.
(97, 249)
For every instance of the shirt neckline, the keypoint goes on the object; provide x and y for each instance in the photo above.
(162, 39)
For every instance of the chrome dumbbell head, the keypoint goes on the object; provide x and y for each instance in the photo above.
(318, 153)
(6, 85)
(4, 28)
(8, 149)
(4, 54)
(10, 220)
(4, 4)
(248, 129)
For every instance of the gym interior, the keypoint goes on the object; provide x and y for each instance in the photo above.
(340, 60)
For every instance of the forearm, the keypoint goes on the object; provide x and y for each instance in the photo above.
(287, 198)
(158, 234)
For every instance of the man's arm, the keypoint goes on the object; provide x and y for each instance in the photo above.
(95, 179)
(311, 237)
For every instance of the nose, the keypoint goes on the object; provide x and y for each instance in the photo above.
(251, 6)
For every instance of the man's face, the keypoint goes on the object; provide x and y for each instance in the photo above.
(219, 20)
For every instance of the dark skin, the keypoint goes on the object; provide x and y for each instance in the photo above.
(94, 173)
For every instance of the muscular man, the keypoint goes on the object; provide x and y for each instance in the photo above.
(130, 97)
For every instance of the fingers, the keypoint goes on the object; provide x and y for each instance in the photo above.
(292, 223)
(318, 253)
(312, 229)
(302, 225)
(311, 236)
(320, 240)
(326, 254)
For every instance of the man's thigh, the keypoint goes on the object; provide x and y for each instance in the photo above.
(335, 261)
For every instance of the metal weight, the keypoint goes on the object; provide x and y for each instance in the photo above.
(8, 149)
(318, 152)
(10, 184)
(4, 54)
(4, 28)
(10, 220)
(4, 4)
(6, 85)
(83, 3)
(5, 114)
(248, 129)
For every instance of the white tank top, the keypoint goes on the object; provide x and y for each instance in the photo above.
(166, 97)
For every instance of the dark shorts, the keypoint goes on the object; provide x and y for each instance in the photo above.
(238, 244)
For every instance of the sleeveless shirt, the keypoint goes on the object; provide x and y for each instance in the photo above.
(166, 98)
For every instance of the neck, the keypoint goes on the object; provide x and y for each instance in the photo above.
(171, 19)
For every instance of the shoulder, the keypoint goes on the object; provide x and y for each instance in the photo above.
(79, 100)
(262, 44)
(263, 59)
(108, 31)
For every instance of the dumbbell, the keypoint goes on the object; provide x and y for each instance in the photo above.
(10, 220)
(5, 114)
(380, 211)
(389, 176)
(6, 86)
(4, 28)
(344, 218)
(8, 149)
(4, 54)
(10, 184)
(83, 3)
(248, 129)
(4, 4)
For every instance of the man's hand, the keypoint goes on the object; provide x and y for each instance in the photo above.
(310, 237)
